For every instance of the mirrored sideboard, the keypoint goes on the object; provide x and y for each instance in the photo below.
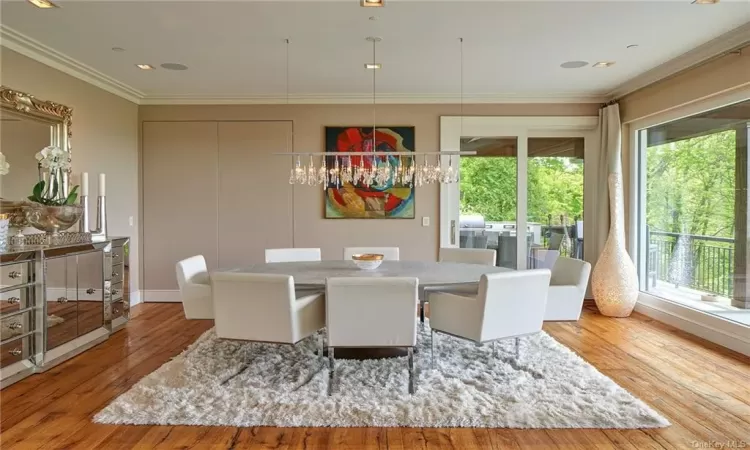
(58, 301)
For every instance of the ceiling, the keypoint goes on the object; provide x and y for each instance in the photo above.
(236, 49)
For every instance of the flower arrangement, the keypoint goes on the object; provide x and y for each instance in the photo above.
(56, 161)
(4, 166)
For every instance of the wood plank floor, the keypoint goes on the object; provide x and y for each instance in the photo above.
(703, 389)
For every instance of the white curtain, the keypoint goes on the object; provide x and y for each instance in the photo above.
(610, 161)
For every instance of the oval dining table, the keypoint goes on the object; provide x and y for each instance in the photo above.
(314, 273)
(309, 274)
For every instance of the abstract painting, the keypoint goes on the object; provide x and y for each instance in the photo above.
(388, 201)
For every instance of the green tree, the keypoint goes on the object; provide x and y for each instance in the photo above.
(489, 185)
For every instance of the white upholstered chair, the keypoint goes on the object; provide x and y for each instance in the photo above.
(567, 289)
(371, 312)
(264, 308)
(389, 253)
(195, 288)
(274, 255)
(508, 305)
(457, 255)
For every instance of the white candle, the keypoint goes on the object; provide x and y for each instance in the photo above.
(85, 183)
(102, 189)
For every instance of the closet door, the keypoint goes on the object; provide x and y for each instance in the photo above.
(255, 197)
(179, 201)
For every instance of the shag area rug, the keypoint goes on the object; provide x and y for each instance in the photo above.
(231, 383)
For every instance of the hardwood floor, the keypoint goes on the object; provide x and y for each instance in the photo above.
(703, 389)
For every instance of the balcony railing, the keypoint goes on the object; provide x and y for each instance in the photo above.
(703, 263)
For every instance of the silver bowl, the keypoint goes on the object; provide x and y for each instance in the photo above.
(53, 219)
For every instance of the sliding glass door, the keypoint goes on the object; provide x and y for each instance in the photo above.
(488, 191)
(693, 211)
(522, 193)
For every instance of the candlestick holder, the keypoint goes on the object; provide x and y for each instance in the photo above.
(84, 225)
(101, 217)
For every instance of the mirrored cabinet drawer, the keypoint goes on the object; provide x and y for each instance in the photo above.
(116, 276)
(15, 325)
(117, 255)
(13, 274)
(118, 309)
(116, 291)
(13, 301)
(15, 351)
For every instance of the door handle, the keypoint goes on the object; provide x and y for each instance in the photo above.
(453, 232)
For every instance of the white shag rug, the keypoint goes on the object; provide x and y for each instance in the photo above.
(286, 386)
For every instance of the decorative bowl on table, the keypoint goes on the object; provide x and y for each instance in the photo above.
(53, 219)
(367, 261)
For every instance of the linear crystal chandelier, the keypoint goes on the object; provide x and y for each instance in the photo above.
(372, 168)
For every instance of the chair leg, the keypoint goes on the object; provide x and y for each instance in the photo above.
(494, 349)
(330, 371)
(421, 312)
(412, 381)
(518, 348)
(432, 349)
(322, 346)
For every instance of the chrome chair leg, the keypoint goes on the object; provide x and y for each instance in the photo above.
(331, 370)
(412, 381)
(432, 349)
(421, 312)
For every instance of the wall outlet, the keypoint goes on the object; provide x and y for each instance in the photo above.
(425, 221)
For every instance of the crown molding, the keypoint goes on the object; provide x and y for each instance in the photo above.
(37, 51)
(366, 99)
(727, 42)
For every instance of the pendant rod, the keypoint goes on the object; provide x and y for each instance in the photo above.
(461, 43)
(374, 41)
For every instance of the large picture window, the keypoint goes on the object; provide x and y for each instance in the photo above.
(694, 216)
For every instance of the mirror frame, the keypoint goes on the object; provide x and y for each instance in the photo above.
(58, 116)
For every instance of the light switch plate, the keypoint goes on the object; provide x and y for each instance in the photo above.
(425, 221)
(130, 220)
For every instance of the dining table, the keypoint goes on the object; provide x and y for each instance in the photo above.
(313, 274)
(429, 274)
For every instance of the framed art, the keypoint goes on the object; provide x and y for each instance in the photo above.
(388, 201)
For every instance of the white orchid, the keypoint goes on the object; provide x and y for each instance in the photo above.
(4, 166)
(53, 158)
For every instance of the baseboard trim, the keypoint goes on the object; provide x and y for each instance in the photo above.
(161, 296)
(715, 329)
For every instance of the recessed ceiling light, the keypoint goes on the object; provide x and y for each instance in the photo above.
(602, 64)
(574, 64)
(42, 3)
(705, 2)
(174, 66)
(372, 3)
(372, 66)
(145, 66)
(118, 49)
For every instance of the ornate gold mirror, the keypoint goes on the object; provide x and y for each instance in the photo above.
(27, 125)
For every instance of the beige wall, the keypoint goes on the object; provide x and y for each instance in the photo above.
(724, 74)
(105, 138)
(309, 227)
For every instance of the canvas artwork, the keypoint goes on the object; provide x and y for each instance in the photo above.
(375, 202)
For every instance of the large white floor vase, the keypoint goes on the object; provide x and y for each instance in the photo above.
(234, 383)
(614, 281)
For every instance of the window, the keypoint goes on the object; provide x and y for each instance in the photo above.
(694, 216)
